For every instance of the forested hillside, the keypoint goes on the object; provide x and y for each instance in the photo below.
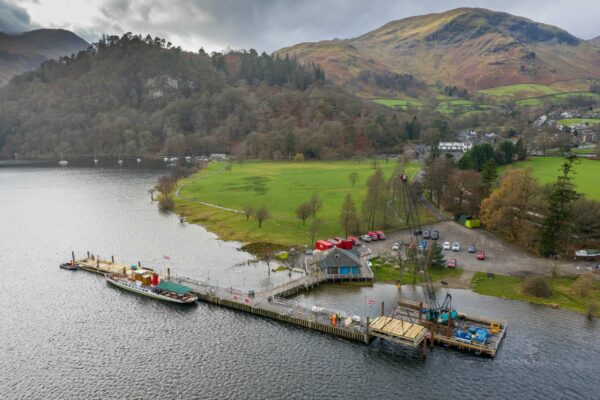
(140, 95)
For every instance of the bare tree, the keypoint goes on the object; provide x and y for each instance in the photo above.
(315, 204)
(303, 211)
(261, 215)
(248, 211)
(314, 228)
(353, 178)
(348, 216)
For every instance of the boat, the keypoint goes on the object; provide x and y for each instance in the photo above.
(71, 266)
(165, 290)
(61, 162)
(138, 160)
(120, 162)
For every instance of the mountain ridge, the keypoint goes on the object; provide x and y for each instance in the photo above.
(27, 51)
(472, 48)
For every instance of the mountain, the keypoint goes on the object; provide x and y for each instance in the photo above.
(470, 48)
(595, 41)
(26, 51)
(137, 95)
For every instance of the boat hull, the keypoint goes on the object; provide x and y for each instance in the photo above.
(150, 294)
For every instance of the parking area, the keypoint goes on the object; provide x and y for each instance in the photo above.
(501, 257)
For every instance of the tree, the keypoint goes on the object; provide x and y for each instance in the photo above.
(560, 205)
(303, 211)
(511, 209)
(374, 201)
(353, 178)
(261, 215)
(299, 157)
(348, 216)
(314, 228)
(166, 184)
(437, 172)
(506, 152)
(489, 175)
(462, 193)
(437, 256)
(520, 150)
(248, 211)
(315, 204)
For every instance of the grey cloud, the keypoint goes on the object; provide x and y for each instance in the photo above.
(14, 19)
(271, 24)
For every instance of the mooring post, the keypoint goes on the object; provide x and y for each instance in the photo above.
(420, 310)
(112, 259)
(139, 265)
(88, 254)
(73, 256)
(382, 308)
(168, 273)
(424, 348)
(432, 339)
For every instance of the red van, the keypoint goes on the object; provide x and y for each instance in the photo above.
(380, 235)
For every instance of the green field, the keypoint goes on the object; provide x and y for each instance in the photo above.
(546, 170)
(567, 291)
(573, 121)
(520, 90)
(399, 103)
(281, 187)
(553, 98)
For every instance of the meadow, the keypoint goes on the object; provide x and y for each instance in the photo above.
(520, 90)
(573, 121)
(546, 170)
(398, 103)
(280, 187)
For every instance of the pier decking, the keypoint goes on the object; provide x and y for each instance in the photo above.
(402, 327)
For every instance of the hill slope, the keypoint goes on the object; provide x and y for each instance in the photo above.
(26, 51)
(133, 95)
(595, 41)
(468, 47)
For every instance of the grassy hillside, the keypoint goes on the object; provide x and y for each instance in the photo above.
(281, 187)
(546, 169)
(520, 90)
(470, 48)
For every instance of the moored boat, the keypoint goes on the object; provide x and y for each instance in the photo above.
(71, 266)
(165, 290)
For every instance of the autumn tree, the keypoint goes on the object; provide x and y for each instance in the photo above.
(348, 216)
(462, 193)
(560, 204)
(511, 208)
(303, 211)
(353, 178)
(261, 215)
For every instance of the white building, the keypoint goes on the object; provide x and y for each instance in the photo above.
(455, 146)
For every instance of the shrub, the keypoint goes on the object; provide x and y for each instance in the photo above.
(537, 286)
(165, 203)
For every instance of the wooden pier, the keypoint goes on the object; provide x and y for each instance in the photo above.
(274, 304)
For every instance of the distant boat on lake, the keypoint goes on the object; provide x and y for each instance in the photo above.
(62, 163)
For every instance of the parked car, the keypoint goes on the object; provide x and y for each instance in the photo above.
(451, 263)
(374, 236)
(396, 246)
(366, 238)
(380, 235)
(481, 255)
(426, 235)
(422, 244)
(471, 248)
(417, 232)
(455, 246)
(446, 246)
(435, 235)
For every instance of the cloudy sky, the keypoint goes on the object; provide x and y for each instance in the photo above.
(265, 24)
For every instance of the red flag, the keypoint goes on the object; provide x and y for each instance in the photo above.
(166, 257)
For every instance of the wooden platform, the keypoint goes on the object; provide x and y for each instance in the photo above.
(397, 330)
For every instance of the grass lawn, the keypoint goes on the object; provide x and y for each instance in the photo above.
(566, 291)
(281, 187)
(546, 170)
(386, 272)
(573, 121)
(520, 90)
(398, 103)
(554, 98)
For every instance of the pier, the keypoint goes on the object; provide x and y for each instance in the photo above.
(404, 328)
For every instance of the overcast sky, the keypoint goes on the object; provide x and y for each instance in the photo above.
(266, 24)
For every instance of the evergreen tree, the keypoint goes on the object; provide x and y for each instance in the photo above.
(560, 205)
(489, 175)
(520, 150)
(437, 256)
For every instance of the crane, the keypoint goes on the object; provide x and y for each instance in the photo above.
(435, 312)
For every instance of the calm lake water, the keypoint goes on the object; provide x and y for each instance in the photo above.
(69, 335)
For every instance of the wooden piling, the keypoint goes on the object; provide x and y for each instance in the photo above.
(112, 259)
(73, 256)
